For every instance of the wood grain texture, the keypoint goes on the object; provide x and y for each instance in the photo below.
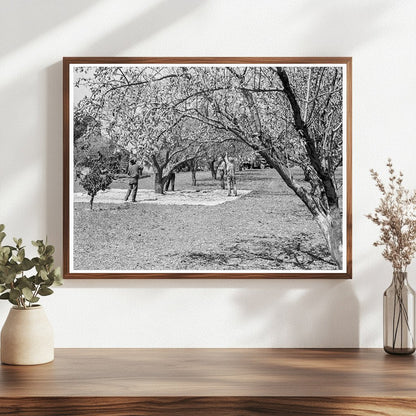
(207, 406)
(67, 61)
(206, 60)
(212, 381)
(214, 372)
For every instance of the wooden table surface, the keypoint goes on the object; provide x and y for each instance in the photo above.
(212, 381)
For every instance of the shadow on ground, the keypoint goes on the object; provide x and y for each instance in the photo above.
(265, 253)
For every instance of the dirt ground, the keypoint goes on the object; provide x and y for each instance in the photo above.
(267, 228)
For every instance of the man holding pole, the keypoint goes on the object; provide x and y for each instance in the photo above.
(134, 173)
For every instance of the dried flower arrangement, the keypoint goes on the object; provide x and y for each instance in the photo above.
(396, 216)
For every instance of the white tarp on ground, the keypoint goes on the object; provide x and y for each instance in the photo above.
(185, 197)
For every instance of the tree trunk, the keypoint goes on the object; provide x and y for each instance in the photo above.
(212, 169)
(331, 227)
(193, 172)
(159, 182)
(91, 201)
(329, 222)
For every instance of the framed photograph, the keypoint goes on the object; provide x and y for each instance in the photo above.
(207, 168)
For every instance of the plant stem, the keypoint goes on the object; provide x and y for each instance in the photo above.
(401, 314)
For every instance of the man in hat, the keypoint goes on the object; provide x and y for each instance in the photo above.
(134, 173)
(221, 172)
(230, 172)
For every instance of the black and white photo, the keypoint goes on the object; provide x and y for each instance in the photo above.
(207, 167)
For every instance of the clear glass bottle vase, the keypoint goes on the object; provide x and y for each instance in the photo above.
(399, 316)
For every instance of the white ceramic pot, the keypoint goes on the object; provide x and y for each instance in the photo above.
(27, 337)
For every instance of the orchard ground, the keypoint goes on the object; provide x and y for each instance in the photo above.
(266, 228)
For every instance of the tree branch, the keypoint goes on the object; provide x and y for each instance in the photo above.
(303, 131)
(135, 84)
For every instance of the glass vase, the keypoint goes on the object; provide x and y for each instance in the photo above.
(399, 316)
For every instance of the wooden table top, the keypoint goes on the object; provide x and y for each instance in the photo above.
(214, 372)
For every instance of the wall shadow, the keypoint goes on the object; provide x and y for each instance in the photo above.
(301, 313)
(41, 16)
(341, 25)
(157, 18)
(54, 145)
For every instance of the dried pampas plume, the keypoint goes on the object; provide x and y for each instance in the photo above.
(396, 217)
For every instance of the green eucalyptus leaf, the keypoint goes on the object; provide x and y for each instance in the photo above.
(15, 294)
(21, 255)
(27, 293)
(26, 264)
(13, 302)
(49, 250)
(24, 282)
(58, 276)
(45, 291)
(5, 254)
(43, 274)
(9, 277)
(55, 273)
(13, 267)
(7, 297)
(5, 250)
(3, 269)
(38, 280)
(2, 236)
(2, 227)
(2, 288)
(48, 260)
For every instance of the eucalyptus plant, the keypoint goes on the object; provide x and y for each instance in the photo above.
(16, 285)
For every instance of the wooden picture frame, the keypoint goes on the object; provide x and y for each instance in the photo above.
(305, 141)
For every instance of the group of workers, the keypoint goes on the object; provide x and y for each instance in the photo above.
(226, 172)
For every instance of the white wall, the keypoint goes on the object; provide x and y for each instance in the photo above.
(380, 35)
